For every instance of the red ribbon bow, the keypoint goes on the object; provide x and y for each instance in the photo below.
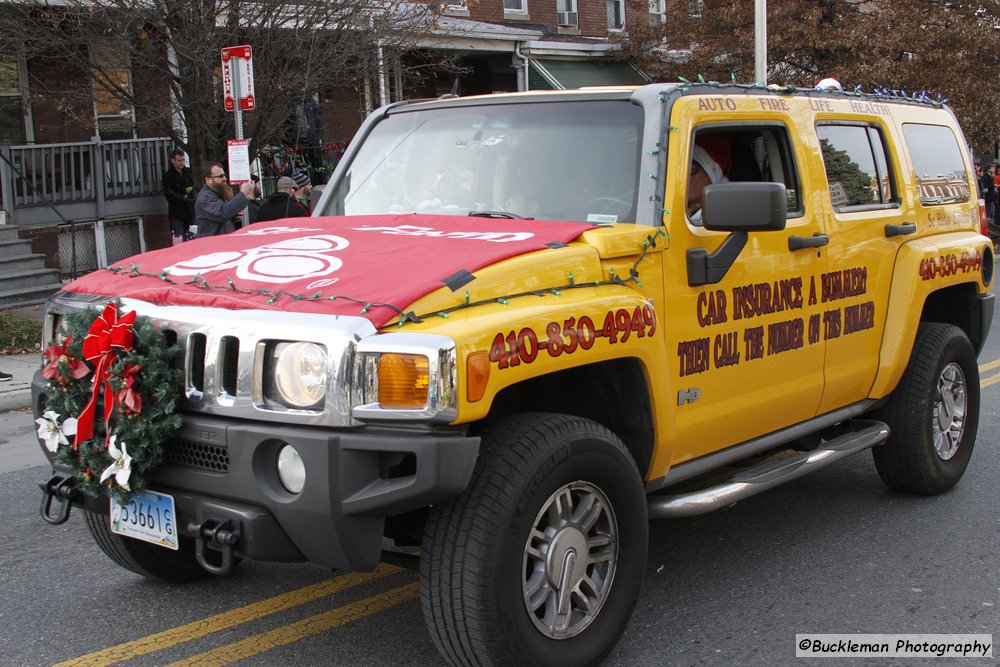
(107, 334)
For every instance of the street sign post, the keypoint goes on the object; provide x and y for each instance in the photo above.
(237, 77)
(238, 95)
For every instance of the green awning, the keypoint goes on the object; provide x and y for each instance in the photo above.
(547, 74)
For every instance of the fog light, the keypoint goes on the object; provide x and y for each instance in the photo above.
(291, 470)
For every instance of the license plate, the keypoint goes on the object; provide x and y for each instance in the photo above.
(149, 517)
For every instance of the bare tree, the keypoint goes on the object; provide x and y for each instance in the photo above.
(172, 48)
(936, 47)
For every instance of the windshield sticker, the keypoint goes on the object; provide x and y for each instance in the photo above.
(602, 218)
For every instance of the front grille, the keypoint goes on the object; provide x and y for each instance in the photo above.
(197, 455)
(222, 356)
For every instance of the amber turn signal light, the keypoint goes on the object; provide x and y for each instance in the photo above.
(478, 367)
(403, 381)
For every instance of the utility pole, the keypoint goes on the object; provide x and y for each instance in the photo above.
(760, 42)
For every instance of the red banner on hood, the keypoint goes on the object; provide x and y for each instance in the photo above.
(376, 264)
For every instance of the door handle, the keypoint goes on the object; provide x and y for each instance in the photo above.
(817, 240)
(900, 230)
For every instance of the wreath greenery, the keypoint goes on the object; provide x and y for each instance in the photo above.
(122, 372)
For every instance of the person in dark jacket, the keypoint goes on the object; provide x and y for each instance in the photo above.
(989, 190)
(178, 188)
(282, 204)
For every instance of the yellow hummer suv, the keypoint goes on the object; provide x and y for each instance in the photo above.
(519, 326)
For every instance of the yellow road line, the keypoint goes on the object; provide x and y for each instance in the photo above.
(993, 379)
(293, 632)
(989, 366)
(227, 619)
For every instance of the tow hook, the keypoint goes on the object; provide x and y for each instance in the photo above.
(221, 536)
(63, 489)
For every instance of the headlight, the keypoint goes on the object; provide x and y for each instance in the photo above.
(299, 374)
(406, 377)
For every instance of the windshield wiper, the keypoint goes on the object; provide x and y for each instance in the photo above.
(497, 214)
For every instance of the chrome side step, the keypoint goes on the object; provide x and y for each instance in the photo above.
(770, 474)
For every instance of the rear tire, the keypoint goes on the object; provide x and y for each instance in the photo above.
(148, 560)
(539, 561)
(933, 414)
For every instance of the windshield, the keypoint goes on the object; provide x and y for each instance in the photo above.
(554, 161)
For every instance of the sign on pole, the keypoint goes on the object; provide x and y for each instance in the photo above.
(237, 77)
(239, 160)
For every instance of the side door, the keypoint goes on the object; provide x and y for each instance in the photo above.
(747, 350)
(867, 224)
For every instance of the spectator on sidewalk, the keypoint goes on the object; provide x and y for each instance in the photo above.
(989, 190)
(178, 188)
(5, 377)
(282, 204)
(303, 186)
(216, 204)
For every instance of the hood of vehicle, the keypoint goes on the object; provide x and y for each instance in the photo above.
(369, 266)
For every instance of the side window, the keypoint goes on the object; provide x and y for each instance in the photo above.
(741, 154)
(937, 163)
(857, 167)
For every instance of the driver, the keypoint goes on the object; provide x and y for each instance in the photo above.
(710, 163)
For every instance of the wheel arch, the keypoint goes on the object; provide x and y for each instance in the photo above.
(613, 393)
(960, 304)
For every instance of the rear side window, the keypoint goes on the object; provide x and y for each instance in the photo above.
(937, 162)
(857, 167)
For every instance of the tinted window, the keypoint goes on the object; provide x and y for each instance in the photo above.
(856, 166)
(937, 162)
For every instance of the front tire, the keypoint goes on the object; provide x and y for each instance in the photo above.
(539, 561)
(933, 414)
(148, 560)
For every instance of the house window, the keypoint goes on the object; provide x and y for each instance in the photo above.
(11, 102)
(616, 14)
(515, 6)
(657, 12)
(695, 7)
(112, 93)
(566, 14)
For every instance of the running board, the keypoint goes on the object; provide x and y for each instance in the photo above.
(770, 474)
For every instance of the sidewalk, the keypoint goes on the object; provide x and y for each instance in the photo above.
(16, 394)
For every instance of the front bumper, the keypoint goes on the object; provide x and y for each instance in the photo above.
(221, 469)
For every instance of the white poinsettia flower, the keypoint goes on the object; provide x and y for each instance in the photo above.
(52, 432)
(121, 464)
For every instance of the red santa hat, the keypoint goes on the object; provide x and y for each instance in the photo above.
(714, 156)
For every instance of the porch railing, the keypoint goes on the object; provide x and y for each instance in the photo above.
(56, 183)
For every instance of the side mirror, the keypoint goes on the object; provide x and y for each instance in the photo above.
(737, 208)
(744, 207)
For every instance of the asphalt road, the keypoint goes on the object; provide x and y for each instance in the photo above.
(834, 552)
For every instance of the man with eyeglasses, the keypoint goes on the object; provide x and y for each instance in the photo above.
(216, 204)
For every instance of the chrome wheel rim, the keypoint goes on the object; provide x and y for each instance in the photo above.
(570, 559)
(948, 416)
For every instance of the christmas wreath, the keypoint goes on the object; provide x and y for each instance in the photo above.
(112, 388)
